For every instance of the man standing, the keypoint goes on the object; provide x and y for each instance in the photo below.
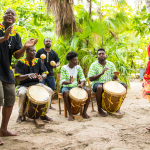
(100, 72)
(10, 44)
(50, 56)
(68, 78)
(30, 71)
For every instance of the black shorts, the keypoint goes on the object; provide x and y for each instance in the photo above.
(96, 85)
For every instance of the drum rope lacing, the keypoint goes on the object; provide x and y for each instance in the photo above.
(35, 110)
(43, 112)
(45, 109)
(78, 106)
(110, 102)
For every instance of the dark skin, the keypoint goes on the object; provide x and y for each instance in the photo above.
(72, 63)
(30, 55)
(9, 19)
(102, 60)
(48, 44)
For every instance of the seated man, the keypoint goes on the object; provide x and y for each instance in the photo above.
(100, 72)
(68, 79)
(30, 71)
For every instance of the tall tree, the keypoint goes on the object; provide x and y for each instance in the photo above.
(64, 16)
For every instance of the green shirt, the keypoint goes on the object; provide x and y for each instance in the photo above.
(66, 72)
(97, 68)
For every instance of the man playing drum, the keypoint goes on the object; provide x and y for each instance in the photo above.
(100, 72)
(68, 79)
(10, 44)
(30, 71)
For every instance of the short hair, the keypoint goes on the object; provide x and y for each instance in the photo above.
(101, 49)
(46, 38)
(71, 55)
(28, 48)
(9, 9)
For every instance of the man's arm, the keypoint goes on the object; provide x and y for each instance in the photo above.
(95, 77)
(29, 43)
(68, 82)
(24, 77)
(6, 36)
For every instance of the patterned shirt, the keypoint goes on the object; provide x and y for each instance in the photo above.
(24, 67)
(66, 72)
(97, 68)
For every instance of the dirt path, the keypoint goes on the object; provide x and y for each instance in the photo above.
(96, 133)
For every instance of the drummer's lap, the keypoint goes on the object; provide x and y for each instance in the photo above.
(48, 88)
(68, 89)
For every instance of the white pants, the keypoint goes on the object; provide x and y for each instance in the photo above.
(21, 93)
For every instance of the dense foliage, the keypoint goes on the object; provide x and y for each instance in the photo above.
(122, 31)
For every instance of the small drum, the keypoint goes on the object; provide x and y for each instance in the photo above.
(113, 96)
(78, 97)
(37, 102)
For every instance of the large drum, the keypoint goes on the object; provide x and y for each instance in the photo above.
(37, 102)
(78, 97)
(113, 96)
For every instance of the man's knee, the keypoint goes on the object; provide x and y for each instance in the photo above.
(66, 93)
(125, 86)
(99, 88)
(88, 90)
(21, 94)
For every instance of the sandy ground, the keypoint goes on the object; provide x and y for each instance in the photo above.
(96, 133)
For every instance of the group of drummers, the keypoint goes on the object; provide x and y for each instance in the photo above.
(36, 69)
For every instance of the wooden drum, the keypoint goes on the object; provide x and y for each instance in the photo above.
(113, 96)
(37, 102)
(78, 97)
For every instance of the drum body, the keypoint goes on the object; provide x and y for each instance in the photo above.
(78, 97)
(37, 102)
(113, 96)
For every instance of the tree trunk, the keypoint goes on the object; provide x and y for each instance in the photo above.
(90, 8)
(64, 16)
(147, 6)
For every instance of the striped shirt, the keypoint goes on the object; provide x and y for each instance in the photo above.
(66, 72)
(97, 68)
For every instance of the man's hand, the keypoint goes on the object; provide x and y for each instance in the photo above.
(7, 32)
(105, 69)
(54, 66)
(40, 78)
(80, 85)
(32, 75)
(71, 79)
(30, 42)
(42, 60)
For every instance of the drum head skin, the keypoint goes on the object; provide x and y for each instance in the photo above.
(38, 94)
(114, 87)
(78, 94)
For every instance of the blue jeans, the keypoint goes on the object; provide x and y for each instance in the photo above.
(50, 80)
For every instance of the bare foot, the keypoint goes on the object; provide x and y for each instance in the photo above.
(8, 133)
(46, 118)
(50, 107)
(102, 113)
(1, 142)
(70, 118)
(148, 128)
(19, 119)
(85, 116)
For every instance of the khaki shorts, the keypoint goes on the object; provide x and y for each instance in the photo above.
(7, 94)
